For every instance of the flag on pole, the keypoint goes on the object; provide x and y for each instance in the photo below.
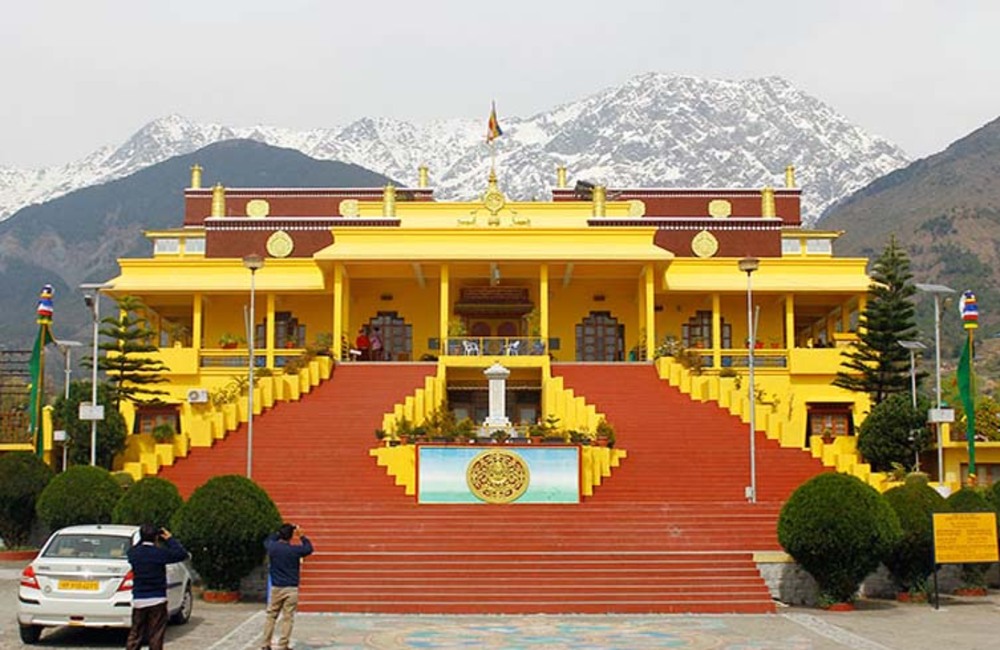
(37, 364)
(965, 377)
(969, 309)
(493, 130)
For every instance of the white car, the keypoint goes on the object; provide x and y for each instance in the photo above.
(82, 577)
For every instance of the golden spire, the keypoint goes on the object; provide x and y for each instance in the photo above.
(389, 201)
(218, 200)
(790, 176)
(195, 176)
(600, 196)
(422, 172)
(767, 209)
(561, 176)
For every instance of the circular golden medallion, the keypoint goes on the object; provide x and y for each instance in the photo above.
(720, 208)
(350, 208)
(497, 476)
(494, 200)
(704, 244)
(258, 208)
(636, 208)
(280, 244)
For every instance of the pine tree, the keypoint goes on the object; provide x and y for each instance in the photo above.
(879, 365)
(129, 369)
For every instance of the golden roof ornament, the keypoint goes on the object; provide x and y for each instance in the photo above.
(423, 176)
(600, 201)
(195, 176)
(561, 176)
(389, 201)
(218, 200)
(704, 244)
(493, 199)
(280, 244)
(790, 176)
(767, 209)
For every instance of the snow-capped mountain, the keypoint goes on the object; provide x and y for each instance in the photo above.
(652, 131)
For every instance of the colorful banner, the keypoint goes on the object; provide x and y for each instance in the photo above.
(498, 474)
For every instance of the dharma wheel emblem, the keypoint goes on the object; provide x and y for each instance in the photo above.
(280, 244)
(704, 244)
(497, 476)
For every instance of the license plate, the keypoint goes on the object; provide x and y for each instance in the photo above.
(79, 585)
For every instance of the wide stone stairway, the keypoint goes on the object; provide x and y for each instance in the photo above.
(670, 531)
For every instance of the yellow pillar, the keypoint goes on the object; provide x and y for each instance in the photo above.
(269, 330)
(790, 321)
(338, 306)
(543, 303)
(196, 320)
(650, 314)
(716, 330)
(444, 310)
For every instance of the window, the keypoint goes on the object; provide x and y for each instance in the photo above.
(167, 246)
(697, 332)
(791, 247)
(819, 246)
(195, 246)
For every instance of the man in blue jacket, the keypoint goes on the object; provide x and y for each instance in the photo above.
(284, 559)
(149, 585)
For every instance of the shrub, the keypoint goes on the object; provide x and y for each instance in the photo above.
(223, 525)
(839, 530)
(912, 560)
(971, 500)
(123, 479)
(884, 436)
(80, 495)
(111, 433)
(23, 476)
(151, 500)
(163, 433)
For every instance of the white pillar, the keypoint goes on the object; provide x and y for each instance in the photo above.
(497, 375)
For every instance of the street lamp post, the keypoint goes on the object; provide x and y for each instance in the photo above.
(94, 413)
(913, 346)
(748, 265)
(254, 263)
(66, 347)
(937, 290)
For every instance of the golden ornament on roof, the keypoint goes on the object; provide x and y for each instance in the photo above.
(280, 244)
(704, 244)
(720, 208)
(258, 208)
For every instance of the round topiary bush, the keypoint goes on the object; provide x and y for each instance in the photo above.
(971, 500)
(151, 500)
(912, 560)
(839, 530)
(223, 525)
(80, 495)
(23, 476)
(884, 436)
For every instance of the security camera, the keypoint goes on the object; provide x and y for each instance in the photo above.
(88, 300)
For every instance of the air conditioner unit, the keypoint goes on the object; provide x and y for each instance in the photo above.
(197, 396)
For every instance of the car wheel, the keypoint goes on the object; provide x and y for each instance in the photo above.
(182, 615)
(30, 633)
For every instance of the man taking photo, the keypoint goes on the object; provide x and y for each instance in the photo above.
(149, 585)
(284, 559)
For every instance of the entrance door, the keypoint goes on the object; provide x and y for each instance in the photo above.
(599, 337)
(397, 336)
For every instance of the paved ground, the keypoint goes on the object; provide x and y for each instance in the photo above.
(967, 623)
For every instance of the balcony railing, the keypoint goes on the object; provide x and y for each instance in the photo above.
(511, 346)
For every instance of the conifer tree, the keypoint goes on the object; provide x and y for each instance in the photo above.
(129, 369)
(879, 365)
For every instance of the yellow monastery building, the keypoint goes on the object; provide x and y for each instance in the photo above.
(613, 275)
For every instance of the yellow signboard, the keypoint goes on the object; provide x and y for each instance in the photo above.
(962, 537)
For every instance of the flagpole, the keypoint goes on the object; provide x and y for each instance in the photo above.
(970, 432)
(966, 376)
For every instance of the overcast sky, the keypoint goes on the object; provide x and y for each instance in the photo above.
(79, 74)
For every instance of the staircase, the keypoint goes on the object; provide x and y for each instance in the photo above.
(669, 532)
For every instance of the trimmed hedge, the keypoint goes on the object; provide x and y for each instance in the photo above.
(23, 477)
(912, 560)
(152, 500)
(971, 500)
(839, 530)
(80, 495)
(223, 525)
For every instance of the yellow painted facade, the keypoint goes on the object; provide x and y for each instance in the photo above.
(555, 272)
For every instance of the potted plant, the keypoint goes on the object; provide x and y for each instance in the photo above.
(163, 433)
(456, 330)
(499, 436)
(605, 434)
(229, 341)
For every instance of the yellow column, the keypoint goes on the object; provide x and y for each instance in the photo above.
(338, 307)
(543, 303)
(716, 330)
(650, 314)
(196, 318)
(444, 310)
(790, 321)
(269, 331)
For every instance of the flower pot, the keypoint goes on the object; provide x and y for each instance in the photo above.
(840, 607)
(228, 346)
(220, 596)
(914, 597)
(18, 556)
(971, 591)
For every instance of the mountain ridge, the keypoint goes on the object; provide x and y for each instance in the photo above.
(652, 130)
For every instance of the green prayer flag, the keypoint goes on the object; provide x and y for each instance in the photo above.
(966, 393)
(37, 368)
